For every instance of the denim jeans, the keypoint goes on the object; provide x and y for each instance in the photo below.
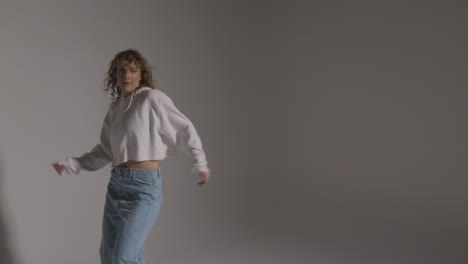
(133, 200)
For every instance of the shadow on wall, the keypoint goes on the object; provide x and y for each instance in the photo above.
(6, 247)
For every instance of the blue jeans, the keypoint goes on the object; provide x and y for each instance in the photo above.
(133, 200)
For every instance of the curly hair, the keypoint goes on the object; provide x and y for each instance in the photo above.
(130, 56)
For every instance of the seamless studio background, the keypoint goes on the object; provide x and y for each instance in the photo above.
(335, 130)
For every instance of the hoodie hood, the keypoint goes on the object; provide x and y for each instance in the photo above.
(135, 92)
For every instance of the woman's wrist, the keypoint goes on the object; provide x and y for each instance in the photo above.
(73, 165)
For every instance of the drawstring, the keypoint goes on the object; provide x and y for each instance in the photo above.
(131, 98)
(134, 93)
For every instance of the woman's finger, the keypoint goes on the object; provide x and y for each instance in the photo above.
(58, 168)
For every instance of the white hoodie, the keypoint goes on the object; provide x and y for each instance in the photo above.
(143, 126)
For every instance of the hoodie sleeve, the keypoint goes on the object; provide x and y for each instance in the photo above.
(99, 156)
(176, 127)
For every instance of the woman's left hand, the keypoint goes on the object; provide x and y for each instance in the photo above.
(205, 175)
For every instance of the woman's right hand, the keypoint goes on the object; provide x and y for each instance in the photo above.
(58, 167)
(67, 166)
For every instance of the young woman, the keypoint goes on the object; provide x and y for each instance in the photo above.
(141, 128)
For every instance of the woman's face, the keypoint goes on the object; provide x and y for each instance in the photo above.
(128, 77)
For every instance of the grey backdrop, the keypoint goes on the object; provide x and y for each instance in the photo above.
(335, 130)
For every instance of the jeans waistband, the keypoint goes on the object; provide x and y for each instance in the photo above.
(126, 171)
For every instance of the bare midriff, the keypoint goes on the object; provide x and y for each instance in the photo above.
(141, 164)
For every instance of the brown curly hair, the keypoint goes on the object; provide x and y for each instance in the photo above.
(130, 56)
